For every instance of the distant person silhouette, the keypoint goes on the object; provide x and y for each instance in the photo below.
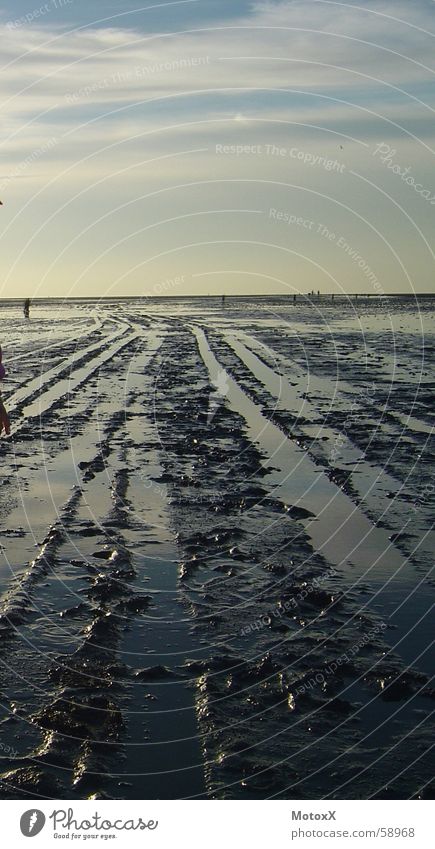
(27, 308)
(223, 301)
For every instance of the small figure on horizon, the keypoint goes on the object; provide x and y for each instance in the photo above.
(223, 302)
(294, 299)
(27, 308)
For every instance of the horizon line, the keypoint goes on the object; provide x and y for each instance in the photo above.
(218, 296)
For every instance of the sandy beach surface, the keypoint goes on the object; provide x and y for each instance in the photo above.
(216, 549)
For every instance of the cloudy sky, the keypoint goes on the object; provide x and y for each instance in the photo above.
(208, 146)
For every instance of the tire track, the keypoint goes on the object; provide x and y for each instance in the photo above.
(370, 487)
(267, 610)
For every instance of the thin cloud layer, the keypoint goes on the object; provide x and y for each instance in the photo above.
(80, 106)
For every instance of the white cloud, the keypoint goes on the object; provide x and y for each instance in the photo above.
(291, 44)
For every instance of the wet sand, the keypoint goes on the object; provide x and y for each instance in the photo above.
(216, 532)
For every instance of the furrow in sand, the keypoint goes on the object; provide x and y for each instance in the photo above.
(81, 716)
(163, 752)
(72, 429)
(78, 334)
(35, 613)
(40, 385)
(407, 455)
(187, 611)
(65, 700)
(339, 530)
(310, 381)
(359, 412)
(367, 484)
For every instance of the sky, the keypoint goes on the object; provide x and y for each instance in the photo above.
(216, 146)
